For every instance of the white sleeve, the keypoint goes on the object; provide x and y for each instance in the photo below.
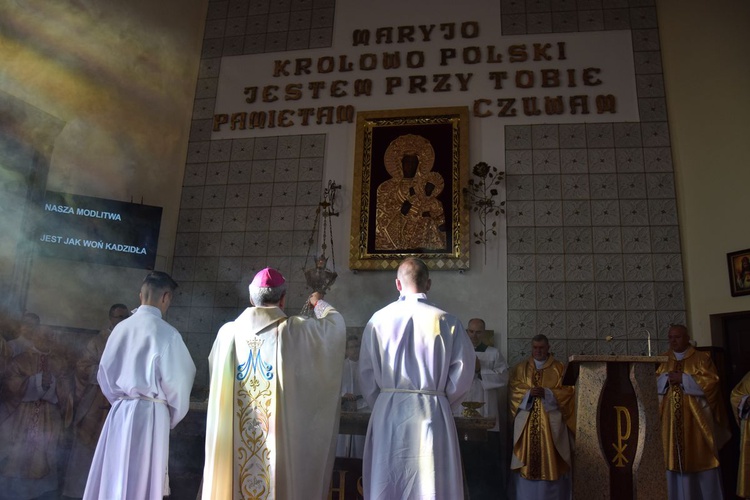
(35, 391)
(662, 383)
(550, 401)
(690, 386)
(177, 375)
(526, 402)
(369, 359)
(494, 371)
(743, 412)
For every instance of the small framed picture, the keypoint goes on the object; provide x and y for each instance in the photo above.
(739, 272)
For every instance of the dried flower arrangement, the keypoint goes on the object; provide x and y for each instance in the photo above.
(481, 198)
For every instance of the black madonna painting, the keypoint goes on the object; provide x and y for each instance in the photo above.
(410, 166)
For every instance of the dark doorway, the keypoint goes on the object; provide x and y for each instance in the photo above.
(731, 332)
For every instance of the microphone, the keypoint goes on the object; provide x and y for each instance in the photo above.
(610, 338)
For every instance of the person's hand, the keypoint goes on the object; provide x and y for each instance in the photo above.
(349, 397)
(675, 378)
(314, 298)
(478, 366)
(537, 392)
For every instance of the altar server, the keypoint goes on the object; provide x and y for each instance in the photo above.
(416, 362)
(146, 373)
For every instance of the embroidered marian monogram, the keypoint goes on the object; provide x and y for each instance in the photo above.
(255, 362)
(254, 423)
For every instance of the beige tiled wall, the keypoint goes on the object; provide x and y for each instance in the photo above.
(592, 232)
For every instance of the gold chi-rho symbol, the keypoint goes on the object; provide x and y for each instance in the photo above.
(623, 424)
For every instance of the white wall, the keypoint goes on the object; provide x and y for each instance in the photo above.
(707, 76)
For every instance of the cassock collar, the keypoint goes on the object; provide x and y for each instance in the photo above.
(413, 296)
(480, 348)
(679, 356)
(149, 309)
(546, 364)
(262, 317)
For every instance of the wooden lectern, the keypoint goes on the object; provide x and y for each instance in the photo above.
(618, 451)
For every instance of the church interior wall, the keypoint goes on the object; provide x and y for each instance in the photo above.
(141, 134)
(120, 81)
(589, 246)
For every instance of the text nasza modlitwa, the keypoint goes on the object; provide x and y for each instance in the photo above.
(96, 214)
(86, 212)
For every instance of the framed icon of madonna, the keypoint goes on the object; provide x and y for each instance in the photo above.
(739, 272)
(410, 169)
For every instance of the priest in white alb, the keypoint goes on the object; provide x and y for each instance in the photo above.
(146, 373)
(416, 362)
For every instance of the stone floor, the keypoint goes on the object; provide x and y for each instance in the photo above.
(186, 457)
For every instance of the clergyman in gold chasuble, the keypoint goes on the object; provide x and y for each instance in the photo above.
(741, 407)
(543, 425)
(693, 419)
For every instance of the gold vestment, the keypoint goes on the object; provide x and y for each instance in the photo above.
(91, 409)
(273, 413)
(693, 429)
(91, 404)
(743, 471)
(30, 435)
(535, 446)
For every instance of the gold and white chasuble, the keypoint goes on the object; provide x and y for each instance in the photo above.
(541, 439)
(739, 395)
(255, 414)
(273, 408)
(694, 428)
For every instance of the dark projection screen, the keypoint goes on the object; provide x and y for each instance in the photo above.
(97, 230)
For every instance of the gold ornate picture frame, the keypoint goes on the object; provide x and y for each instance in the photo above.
(410, 168)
